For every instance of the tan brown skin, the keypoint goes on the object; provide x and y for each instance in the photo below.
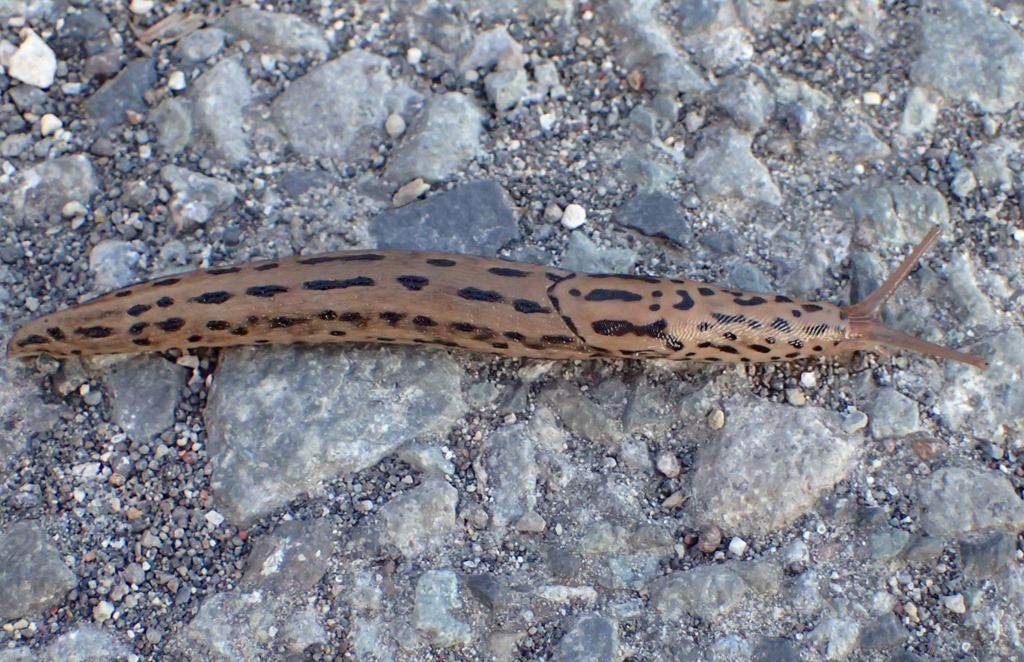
(468, 302)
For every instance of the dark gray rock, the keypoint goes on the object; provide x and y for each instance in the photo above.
(655, 215)
(955, 501)
(745, 99)
(279, 425)
(338, 108)
(437, 597)
(144, 391)
(897, 214)
(970, 55)
(173, 122)
(592, 637)
(123, 93)
(585, 256)
(200, 45)
(473, 218)
(219, 98)
(83, 644)
(44, 189)
(725, 169)
(996, 396)
(291, 560)
(197, 198)
(23, 414)
(883, 633)
(892, 414)
(643, 40)
(419, 521)
(705, 592)
(275, 32)
(596, 423)
(32, 571)
(769, 465)
(443, 138)
(985, 556)
(512, 474)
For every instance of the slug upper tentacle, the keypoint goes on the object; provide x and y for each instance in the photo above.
(468, 302)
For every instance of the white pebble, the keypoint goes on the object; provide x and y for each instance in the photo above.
(553, 213)
(34, 62)
(955, 603)
(141, 7)
(409, 192)
(796, 397)
(103, 611)
(808, 380)
(855, 421)
(49, 124)
(872, 99)
(716, 419)
(73, 209)
(414, 55)
(737, 546)
(32, 304)
(574, 216)
(669, 464)
(394, 125)
(547, 120)
(214, 518)
(176, 81)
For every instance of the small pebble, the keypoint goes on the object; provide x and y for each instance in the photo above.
(574, 216)
(716, 419)
(176, 81)
(669, 464)
(102, 611)
(73, 209)
(394, 125)
(141, 7)
(49, 124)
(409, 192)
(710, 538)
(214, 518)
(955, 603)
(808, 380)
(737, 546)
(552, 213)
(34, 63)
(854, 421)
(414, 55)
(796, 397)
(872, 99)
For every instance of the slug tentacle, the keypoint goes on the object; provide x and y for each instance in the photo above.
(867, 332)
(466, 302)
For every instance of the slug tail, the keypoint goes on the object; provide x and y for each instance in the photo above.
(868, 332)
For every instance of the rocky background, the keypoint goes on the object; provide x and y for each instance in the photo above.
(385, 504)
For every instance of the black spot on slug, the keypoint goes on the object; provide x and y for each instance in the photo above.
(727, 349)
(136, 329)
(323, 285)
(557, 278)
(170, 324)
(423, 320)
(526, 306)
(322, 259)
(94, 331)
(211, 297)
(165, 282)
(817, 329)
(33, 340)
(557, 340)
(685, 302)
(704, 345)
(623, 327)
(819, 348)
(165, 302)
(574, 292)
(760, 348)
(781, 299)
(796, 342)
(464, 327)
(811, 307)
(414, 283)
(728, 335)
(138, 309)
(654, 307)
(752, 301)
(327, 315)
(123, 293)
(441, 262)
(141, 342)
(391, 317)
(499, 345)
(266, 291)
(218, 325)
(354, 318)
(793, 355)
(194, 338)
(602, 294)
(240, 331)
(268, 266)
(508, 272)
(283, 322)
(797, 313)
(706, 291)
(475, 294)
(514, 335)
(222, 271)
(56, 333)
(338, 334)
(705, 326)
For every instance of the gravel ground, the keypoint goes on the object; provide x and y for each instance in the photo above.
(400, 503)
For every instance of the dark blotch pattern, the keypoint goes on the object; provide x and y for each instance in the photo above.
(760, 349)
(138, 309)
(165, 282)
(476, 294)
(136, 329)
(354, 318)
(33, 340)
(212, 297)
(322, 285)
(685, 300)
(423, 320)
(165, 302)
(602, 294)
(141, 342)
(514, 335)
(194, 338)
(735, 318)
(706, 291)
(222, 271)
(327, 315)
(463, 327)
(218, 325)
(266, 291)
(268, 266)
(391, 317)
(441, 262)
(624, 327)
(323, 259)
(752, 301)
(283, 322)
(781, 299)
(414, 283)
(557, 340)
(170, 324)
(526, 306)
(509, 272)
(123, 293)
(56, 333)
(780, 324)
(94, 331)
(240, 331)
(811, 307)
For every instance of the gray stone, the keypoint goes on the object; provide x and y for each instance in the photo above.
(173, 122)
(338, 109)
(990, 164)
(442, 140)
(83, 644)
(341, 412)
(892, 414)
(769, 465)
(583, 255)
(275, 32)
(852, 140)
(956, 501)
(919, 113)
(655, 215)
(488, 47)
(197, 198)
(883, 633)
(437, 596)
(888, 543)
(704, 592)
(836, 637)
(511, 473)
(592, 637)
(725, 169)
(898, 213)
(219, 98)
(45, 188)
(987, 405)
(746, 99)
(970, 55)
(746, 276)
(200, 45)
(472, 218)
(419, 521)
(290, 561)
(582, 416)
(23, 414)
(506, 88)
(108, 106)
(113, 264)
(33, 10)
(644, 41)
(145, 391)
(985, 556)
(692, 16)
(16, 144)
(32, 571)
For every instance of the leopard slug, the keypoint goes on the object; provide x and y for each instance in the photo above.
(472, 303)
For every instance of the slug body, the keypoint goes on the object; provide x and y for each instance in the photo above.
(468, 302)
